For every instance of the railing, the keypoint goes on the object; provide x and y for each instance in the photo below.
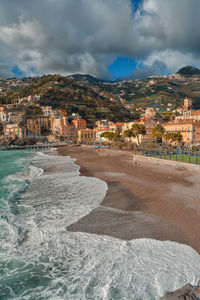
(32, 147)
(189, 157)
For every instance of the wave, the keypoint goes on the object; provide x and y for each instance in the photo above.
(48, 262)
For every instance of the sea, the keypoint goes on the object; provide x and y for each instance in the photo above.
(41, 194)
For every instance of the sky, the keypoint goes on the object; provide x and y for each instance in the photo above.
(109, 39)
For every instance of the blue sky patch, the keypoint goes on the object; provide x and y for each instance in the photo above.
(122, 66)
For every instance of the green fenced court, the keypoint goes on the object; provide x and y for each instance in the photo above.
(186, 158)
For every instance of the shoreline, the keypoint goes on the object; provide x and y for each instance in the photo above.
(145, 200)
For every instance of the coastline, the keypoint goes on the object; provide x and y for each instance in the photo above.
(146, 200)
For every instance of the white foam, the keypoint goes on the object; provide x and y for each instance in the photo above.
(67, 265)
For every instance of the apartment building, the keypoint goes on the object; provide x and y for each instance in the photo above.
(57, 123)
(190, 130)
(116, 127)
(87, 136)
(14, 130)
(33, 127)
(79, 123)
(68, 131)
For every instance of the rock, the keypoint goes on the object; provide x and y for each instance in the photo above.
(187, 292)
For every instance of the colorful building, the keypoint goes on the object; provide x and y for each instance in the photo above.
(116, 127)
(190, 130)
(87, 136)
(68, 131)
(4, 116)
(33, 127)
(79, 123)
(14, 130)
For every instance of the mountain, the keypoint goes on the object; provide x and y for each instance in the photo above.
(188, 71)
(80, 95)
(117, 101)
(86, 78)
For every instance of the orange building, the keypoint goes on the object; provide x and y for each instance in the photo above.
(190, 130)
(33, 127)
(79, 123)
(87, 136)
(68, 131)
(14, 130)
(187, 103)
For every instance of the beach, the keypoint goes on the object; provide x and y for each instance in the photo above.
(143, 200)
(99, 231)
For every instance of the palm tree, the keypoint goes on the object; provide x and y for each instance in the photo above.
(158, 132)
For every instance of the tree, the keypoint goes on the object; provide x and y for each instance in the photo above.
(158, 132)
(138, 129)
(128, 133)
(111, 136)
(173, 136)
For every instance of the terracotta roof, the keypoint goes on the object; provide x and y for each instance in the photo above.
(142, 120)
(196, 113)
(118, 124)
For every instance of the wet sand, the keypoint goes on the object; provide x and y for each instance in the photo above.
(147, 200)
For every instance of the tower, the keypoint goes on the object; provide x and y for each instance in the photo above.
(187, 103)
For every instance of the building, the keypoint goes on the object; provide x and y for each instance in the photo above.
(150, 112)
(33, 128)
(189, 115)
(45, 123)
(87, 136)
(103, 124)
(99, 131)
(79, 123)
(4, 116)
(69, 131)
(57, 123)
(187, 103)
(190, 130)
(17, 118)
(149, 125)
(14, 130)
(47, 111)
(116, 127)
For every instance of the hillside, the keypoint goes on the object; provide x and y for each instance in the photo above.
(65, 93)
(94, 98)
(188, 71)
(153, 91)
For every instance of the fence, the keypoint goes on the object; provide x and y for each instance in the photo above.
(186, 157)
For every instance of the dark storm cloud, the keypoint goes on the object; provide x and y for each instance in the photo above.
(84, 36)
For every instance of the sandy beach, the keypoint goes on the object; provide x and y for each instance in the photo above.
(144, 200)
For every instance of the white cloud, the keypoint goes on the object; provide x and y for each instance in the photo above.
(84, 36)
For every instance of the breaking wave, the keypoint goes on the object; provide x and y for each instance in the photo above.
(40, 259)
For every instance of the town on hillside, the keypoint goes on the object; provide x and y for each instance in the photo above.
(47, 124)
